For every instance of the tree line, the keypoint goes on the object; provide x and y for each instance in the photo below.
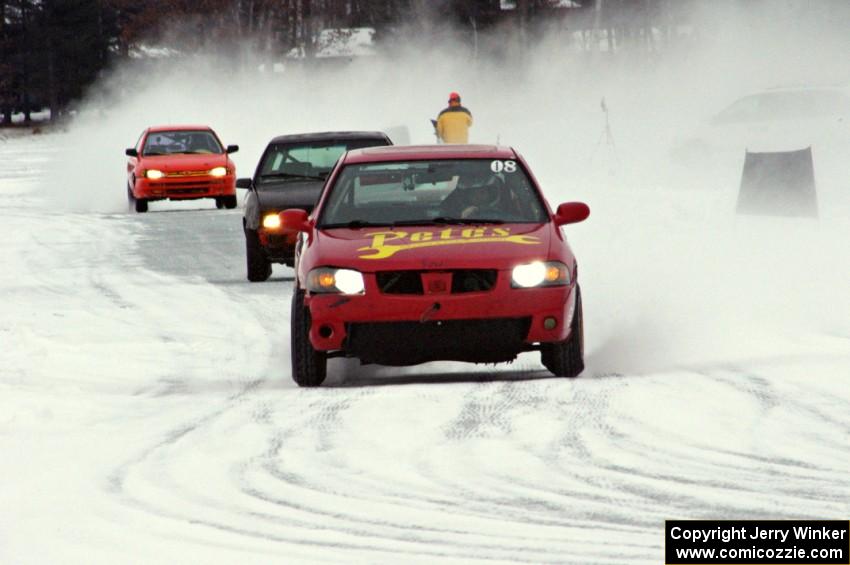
(52, 50)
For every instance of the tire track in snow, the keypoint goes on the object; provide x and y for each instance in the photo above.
(306, 483)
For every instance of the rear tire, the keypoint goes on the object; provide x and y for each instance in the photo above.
(309, 367)
(259, 268)
(219, 202)
(566, 358)
(229, 201)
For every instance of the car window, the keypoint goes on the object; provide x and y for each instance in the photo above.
(300, 161)
(186, 142)
(427, 191)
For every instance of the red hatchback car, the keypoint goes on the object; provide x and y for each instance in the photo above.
(180, 163)
(444, 252)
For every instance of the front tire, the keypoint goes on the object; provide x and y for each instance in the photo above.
(229, 201)
(309, 367)
(566, 358)
(259, 268)
(139, 205)
(219, 202)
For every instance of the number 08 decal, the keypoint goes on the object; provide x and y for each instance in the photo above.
(500, 166)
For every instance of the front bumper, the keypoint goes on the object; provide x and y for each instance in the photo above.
(488, 326)
(186, 188)
(279, 244)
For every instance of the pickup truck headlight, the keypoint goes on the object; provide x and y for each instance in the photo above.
(271, 221)
(539, 273)
(154, 174)
(218, 171)
(327, 280)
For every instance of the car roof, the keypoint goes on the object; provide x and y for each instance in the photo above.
(328, 136)
(797, 91)
(179, 127)
(805, 88)
(426, 152)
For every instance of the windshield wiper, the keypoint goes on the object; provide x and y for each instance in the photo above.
(440, 220)
(355, 224)
(482, 221)
(290, 176)
(445, 220)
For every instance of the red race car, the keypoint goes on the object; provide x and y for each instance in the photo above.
(180, 163)
(444, 252)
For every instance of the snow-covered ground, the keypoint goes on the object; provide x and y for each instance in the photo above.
(147, 414)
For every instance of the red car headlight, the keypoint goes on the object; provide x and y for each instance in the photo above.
(327, 280)
(539, 273)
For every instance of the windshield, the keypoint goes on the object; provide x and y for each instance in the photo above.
(306, 161)
(432, 192)
(173, 142)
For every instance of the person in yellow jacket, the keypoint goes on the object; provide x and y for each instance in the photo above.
(454, 122)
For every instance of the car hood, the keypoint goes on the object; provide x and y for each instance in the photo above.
(176, 163)
(280, 196)
(431, 247)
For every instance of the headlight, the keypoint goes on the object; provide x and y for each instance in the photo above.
(551, 273)
(271, 221)
(218, 171)
(154, 174)
(329, 280)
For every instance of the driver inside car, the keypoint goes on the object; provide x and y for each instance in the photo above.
(481, 197)
(480, 200)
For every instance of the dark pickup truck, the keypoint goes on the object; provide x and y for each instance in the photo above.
(291, 174)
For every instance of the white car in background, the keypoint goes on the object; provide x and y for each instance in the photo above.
(780, 119)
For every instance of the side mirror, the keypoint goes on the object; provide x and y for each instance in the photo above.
(571, 213)
(232, 149)
(295, 219)
(244, 183)
(131, 152)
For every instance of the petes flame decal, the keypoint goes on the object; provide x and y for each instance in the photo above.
(381, 248)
